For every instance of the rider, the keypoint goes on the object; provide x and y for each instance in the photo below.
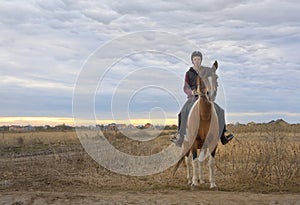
(190, 90)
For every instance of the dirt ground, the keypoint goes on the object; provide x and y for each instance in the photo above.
(38, 187)
(148, 197)
(62, 173)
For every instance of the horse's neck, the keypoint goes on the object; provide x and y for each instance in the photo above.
(205, 110)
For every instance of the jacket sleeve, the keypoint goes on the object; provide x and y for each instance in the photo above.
(187, 88)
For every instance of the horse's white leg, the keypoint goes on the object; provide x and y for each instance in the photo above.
(196, 172)
(188, 162)
(211, 164)
(201, 172)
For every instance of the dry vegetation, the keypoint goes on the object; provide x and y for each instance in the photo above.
(261, 158)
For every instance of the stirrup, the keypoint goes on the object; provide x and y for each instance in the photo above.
(229, 137)
(173, 139)
(225, 139)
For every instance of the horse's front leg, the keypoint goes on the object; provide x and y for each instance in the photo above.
(188, 162)
(195, 168)
(211, 164)
(201, 172)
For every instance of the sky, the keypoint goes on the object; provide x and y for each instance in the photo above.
(45, 46)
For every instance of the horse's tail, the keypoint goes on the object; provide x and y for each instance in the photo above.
(177, 165)
(184, 152)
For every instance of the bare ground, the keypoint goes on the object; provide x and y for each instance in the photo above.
(64, 174)
(148, 197)
(28, 184)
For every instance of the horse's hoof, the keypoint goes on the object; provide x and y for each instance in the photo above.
(195, 187)
(202, 181)
(213, 186)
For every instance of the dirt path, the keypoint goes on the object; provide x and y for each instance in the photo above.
(153, 197)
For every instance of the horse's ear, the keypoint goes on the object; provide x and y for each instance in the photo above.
(215, 65)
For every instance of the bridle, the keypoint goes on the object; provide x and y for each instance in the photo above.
(200, 91)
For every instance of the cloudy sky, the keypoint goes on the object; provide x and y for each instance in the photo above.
(45, 45)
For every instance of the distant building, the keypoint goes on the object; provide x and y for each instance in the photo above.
(140, 126)
(131, 127)
(111, 126)
(148, 126)
(16, 128)
(28, 128)
(121, 126)
(4, 128)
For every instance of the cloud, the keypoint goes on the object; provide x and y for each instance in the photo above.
(267, 12)
(43, 46)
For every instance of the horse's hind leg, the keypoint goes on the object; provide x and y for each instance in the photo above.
(188, 162)
(211, 164)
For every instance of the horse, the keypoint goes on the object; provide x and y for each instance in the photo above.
(207, 91)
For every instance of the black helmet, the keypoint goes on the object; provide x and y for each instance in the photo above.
(196, 53)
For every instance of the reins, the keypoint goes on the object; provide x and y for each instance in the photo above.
(199, 90)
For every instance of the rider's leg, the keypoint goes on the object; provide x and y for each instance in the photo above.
(184, 113)
(222, 125)
(176, 136)
(179, 121)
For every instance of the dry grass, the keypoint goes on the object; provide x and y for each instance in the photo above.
(260, 159)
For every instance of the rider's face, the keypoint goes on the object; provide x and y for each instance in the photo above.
(197, 61)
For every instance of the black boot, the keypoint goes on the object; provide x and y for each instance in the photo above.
(225, 139)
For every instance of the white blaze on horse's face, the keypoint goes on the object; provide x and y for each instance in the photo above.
(211, 88)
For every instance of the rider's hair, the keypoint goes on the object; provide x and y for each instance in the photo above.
(196, 53)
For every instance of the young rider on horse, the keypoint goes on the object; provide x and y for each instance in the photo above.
(190, 89)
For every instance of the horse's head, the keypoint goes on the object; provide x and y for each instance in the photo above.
(210, 80)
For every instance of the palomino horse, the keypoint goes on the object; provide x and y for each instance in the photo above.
(207, 90)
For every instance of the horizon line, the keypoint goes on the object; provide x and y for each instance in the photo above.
(37, 120)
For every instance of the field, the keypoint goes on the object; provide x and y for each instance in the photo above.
(260, 166)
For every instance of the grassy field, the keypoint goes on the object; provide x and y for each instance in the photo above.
(260, 159)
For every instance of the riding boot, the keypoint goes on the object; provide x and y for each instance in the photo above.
(179, 121)
(225, 139)
(176, 135)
